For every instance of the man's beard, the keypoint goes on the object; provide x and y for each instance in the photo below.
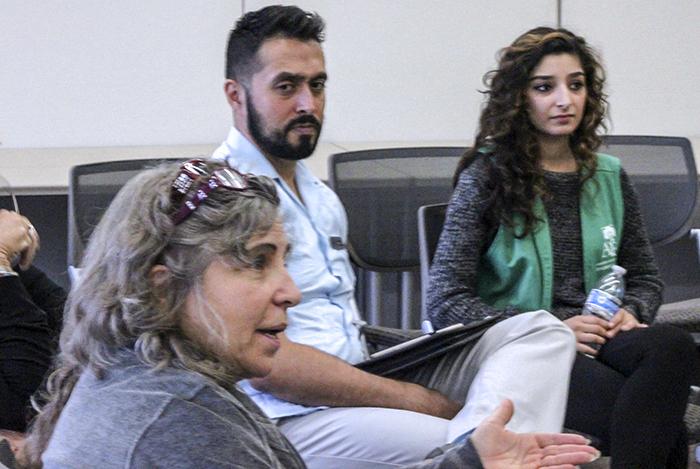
(276, 144)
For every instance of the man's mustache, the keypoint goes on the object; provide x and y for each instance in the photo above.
(307, 119)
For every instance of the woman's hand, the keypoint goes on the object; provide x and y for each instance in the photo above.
(622, 321)
(17, 238)
(499, 448)
(588, 329)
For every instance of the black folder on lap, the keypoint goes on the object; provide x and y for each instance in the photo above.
(426, 347)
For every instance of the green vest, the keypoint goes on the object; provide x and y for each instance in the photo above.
(519, 272)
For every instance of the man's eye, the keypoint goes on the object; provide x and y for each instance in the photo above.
(318, 85)
(285, 87)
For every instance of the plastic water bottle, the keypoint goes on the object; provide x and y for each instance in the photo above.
(606, 298)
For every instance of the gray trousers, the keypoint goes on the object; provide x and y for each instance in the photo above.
(526, 358)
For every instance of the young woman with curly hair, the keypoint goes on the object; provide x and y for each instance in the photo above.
(536, 218)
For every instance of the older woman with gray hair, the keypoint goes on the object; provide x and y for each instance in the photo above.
(184, 292)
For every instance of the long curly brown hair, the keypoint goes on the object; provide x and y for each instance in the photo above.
(509, 140)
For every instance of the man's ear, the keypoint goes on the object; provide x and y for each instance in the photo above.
(235, 94)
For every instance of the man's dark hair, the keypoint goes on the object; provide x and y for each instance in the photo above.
(255, 27)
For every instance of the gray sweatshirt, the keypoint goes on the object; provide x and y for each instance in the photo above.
(138, 417)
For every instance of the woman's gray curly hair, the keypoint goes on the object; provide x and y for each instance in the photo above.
(117, 309)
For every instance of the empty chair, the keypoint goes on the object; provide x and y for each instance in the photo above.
(382, 190)
(91, 189)
(430, 221)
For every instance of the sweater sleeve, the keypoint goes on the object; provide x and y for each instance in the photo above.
(47, 295)
(452, 292)
(643, 284)
(25, 351)
(463, 456)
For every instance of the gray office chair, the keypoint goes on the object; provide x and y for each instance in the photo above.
(430, 221)
(664, 174)
(382, 190)
(91, 189)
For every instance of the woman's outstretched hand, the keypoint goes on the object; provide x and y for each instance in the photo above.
(499, 448)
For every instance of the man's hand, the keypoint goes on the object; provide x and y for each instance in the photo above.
(622, 321)
(17, 238)
(499, 448)
(588, 329)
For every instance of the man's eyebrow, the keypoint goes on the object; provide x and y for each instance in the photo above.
(287, 76)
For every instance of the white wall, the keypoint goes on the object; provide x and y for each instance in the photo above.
(651, 50)
(104, 73)
(410, 70)
(135, 73)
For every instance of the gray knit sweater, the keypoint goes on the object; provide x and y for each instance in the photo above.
(467, 235)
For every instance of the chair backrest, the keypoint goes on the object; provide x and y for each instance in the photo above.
(382, 190)
(431, 218)
(91, 189)
(663, 171)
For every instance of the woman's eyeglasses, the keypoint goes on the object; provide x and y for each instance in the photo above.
(193, 170)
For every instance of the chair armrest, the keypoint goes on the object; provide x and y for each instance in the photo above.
(684, 314)
(692, 422)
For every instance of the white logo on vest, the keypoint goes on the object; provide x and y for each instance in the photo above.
(609, 241)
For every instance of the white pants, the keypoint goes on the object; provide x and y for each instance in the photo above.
(526, 358)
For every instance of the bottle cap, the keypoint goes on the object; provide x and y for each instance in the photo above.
(427, 327)
(619, 270)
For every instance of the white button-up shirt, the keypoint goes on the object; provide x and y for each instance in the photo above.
(327, 316)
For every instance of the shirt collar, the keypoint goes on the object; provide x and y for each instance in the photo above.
(240, 153)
